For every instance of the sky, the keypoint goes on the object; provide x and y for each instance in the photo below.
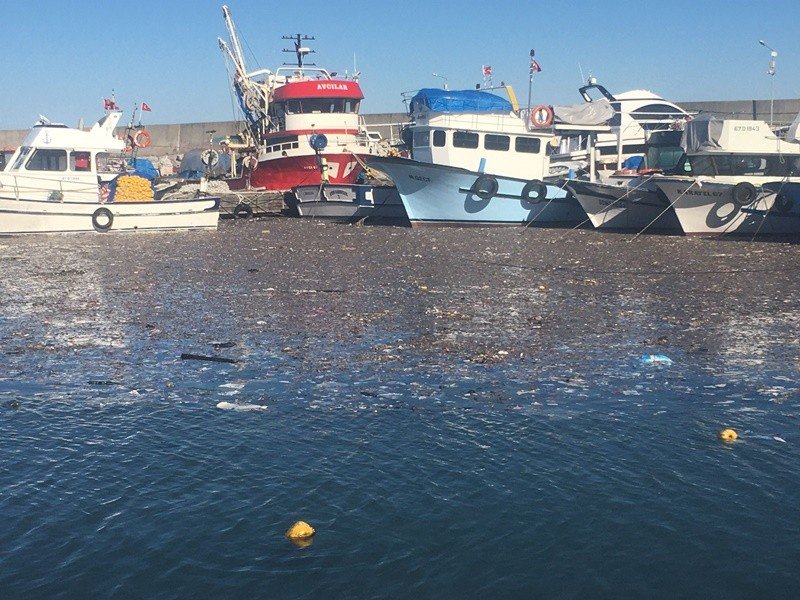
(61, 57)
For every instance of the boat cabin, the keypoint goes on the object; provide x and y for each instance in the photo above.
(475, 130)
(54, 157)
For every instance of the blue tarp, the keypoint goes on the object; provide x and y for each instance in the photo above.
(459, 101)
(144, 168)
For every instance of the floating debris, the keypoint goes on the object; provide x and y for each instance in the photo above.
(218, 359)
(240, 407)
(656, 359)
(300, 531)
(728, 435)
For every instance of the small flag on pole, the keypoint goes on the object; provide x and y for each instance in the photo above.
(535, 66)
(146, 107)
(487, 71)
(110, 104)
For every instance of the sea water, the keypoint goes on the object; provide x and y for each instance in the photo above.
(584, 473)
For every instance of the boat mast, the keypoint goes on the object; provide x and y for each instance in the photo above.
(299, 50)
(236, 55)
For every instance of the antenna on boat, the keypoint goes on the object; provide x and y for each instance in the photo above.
(299, 50)
(580, 68)
(773, 54)
(441, 77)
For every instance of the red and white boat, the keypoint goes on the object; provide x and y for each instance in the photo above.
(285, 111)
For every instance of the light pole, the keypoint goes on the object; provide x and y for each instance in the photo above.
(442, 77)
(773, 54)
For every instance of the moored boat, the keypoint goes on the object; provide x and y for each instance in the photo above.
(475, 162)
(348, 202)
(283, 111)
(738, 177)
(64, 180)
(629, 200)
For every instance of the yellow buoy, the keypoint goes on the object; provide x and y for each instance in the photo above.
(728, 435)
(300, 531)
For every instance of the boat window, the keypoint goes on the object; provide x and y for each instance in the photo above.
(47, 160)
(526, 144)
(422, 139)
(80, 161)
(702, 165)
(321, 105)
(439, 138)
(496, 142)
(23, 154)
(659, 112)
(465, 139)
(662, 157)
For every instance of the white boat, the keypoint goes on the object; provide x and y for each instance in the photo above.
(475, 162)
(348, 202)
(605, 130)
(61, 180)
(629, 200)
(740, 178)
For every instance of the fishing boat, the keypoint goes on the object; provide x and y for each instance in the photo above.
(64, 180)
(738, 177)
(283, 111)
(475, 161)
(629, 200)
(348, 202)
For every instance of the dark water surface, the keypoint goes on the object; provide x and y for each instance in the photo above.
(459, 413)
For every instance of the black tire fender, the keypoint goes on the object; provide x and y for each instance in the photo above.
(485, 187)
(534, 191)
(102, 219)
(243, 211)
(744, 193)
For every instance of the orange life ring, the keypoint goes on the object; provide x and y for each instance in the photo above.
(141, 139)
(542, 116)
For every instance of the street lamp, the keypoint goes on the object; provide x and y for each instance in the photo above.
(442, 77)
(773, 54)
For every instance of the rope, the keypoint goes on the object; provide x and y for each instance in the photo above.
(695, 182)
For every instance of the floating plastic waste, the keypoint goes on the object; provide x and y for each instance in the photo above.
(300, 531)
(242, 407)
(655, 359)
(728, 435)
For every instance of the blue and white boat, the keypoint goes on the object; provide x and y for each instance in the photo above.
(475, 161)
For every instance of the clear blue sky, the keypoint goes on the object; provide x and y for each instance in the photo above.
(60, 57)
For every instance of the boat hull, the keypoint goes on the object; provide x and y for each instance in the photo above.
(441, 195)
(348, 202)
(282, 174)
(25, 216)
(708, 209)
(635, 206)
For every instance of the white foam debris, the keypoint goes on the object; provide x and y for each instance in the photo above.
(240, 407)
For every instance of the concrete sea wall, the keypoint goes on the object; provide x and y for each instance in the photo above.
(178, 138)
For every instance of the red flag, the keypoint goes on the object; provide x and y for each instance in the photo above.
(109, 104)
(535, 67)
(487, 70)
(145, 107)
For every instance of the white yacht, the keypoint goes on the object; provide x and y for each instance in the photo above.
(63, 180)
(607, 128)
(738, 178)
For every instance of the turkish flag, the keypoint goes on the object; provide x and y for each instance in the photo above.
(145, 107)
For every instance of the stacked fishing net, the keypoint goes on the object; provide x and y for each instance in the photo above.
(132, 188)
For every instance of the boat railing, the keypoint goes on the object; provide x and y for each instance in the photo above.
(31, 183)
